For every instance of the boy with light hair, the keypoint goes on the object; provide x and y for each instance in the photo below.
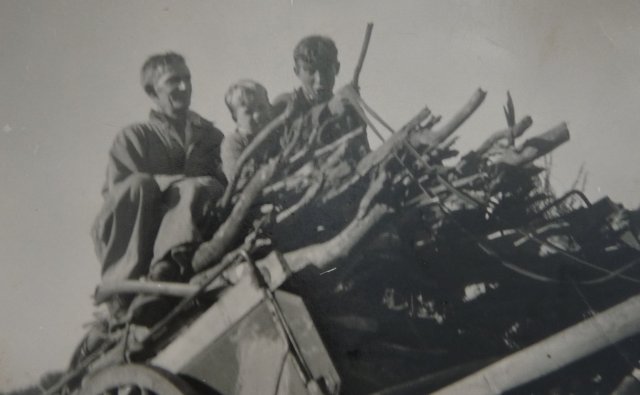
(249, 105)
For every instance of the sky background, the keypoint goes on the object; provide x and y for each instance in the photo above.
(69, 83)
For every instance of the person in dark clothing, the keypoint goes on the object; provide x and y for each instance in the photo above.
(316, 65)
(160, 174)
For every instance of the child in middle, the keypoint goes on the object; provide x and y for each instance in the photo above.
(249, 105)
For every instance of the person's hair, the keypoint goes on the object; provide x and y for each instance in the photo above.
(247, 91)
(316, 49)
(156, 64)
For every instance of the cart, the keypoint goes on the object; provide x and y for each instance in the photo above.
(252, 339)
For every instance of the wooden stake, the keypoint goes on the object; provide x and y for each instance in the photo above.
(553, 353)
(363, 53)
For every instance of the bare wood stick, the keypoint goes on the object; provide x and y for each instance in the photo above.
(432, 122)
(517, 131)
(447, 144)
(587, 337)
(430, 380)
(375, 187)
(535, 147)
(323, 254)
(459, 183)
(303, 153)
(473, 158)
(350, 93)
(300, 179)
(212, 250)
(554, 226)
(211, 274)
(446, 130)
(308, 196)
(386, 150)
(418, 118)
(109, 289)
(421, 201)
(336, 108)
(363, 54)
(303, 176)
(374, 158)
(510, 114)
(381, 153)
(343, 140)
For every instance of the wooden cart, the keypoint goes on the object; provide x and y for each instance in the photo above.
(254, 339)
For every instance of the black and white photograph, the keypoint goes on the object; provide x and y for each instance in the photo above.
(319, 197)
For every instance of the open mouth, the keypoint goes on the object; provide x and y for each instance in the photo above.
(180, 99)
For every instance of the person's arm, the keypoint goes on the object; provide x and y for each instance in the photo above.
(127, 157)
(230, 152)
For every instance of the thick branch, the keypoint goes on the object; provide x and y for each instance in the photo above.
(109, 289)
(517, 131)
(323, 254)
(535, 147)
(369, 214)
(436, 137)
(212, 250)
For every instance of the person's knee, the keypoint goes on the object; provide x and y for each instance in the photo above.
(142, 185)
(199, 187)
(165, 270)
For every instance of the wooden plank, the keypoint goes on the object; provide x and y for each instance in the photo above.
(232, 306)
(554, 352)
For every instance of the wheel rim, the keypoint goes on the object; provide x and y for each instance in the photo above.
(132, 379)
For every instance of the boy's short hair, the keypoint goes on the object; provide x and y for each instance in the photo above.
(247, 90)
(155, 65)
(315, 49)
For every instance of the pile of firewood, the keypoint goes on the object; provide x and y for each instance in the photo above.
(315, 203)
(324, 204)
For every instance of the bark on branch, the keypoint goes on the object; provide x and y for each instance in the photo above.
(211, 251)
(535, 147)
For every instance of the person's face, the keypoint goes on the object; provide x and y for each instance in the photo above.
(251, 114)
(317, 79)
(173, 90)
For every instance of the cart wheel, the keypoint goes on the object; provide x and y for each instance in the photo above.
(132, 379)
